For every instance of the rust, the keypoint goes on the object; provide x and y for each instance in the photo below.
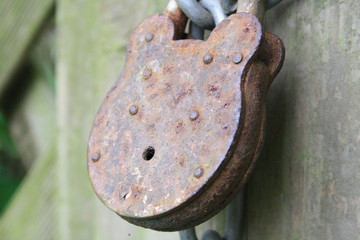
(178, 173)
(214, 91)
(179, 20)
(147, 73)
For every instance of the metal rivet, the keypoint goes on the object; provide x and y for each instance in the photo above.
(95, 157)
(208, 58)
(133, 109)
(237, 58)
(149, 37)
(147, 73)
(194, 115)
(198, 172)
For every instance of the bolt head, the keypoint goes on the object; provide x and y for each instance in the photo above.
(133, 109)
(194, 115)
(147, 73)
(149, 37)
(198, 172)
(208, 58)
(237, 58)
(95, 157)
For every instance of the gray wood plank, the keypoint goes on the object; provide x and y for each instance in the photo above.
(307, 182)
(20, 21)
(91, 52)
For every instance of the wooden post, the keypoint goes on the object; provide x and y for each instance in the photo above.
(20, 22)
(306, 185)
(92, 40)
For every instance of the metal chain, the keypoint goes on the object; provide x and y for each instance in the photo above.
(229, 6)
(205, 14)
(215, 8)
(233, 223)
(197, 13)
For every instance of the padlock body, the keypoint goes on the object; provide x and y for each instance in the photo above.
(180, 130)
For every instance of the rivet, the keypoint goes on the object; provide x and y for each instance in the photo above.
(147, 73)
(149, 37)
(194, 115)
(237, 58)
(198, 172)
(133, 109)
(208, 58)
(95, 157)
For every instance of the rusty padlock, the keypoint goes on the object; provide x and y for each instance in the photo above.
(179, 132)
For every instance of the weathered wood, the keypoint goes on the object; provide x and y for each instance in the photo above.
(20, 21)
(30, 107)
(31, 214)
(33, 122)
(91, 52)
(306, 185)
(29, 103)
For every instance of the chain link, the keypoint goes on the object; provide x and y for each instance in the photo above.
(215, 8)
(197, 13)
(204, 14)
(229, 6)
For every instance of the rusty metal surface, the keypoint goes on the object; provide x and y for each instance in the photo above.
(236, 172)
(179, 132)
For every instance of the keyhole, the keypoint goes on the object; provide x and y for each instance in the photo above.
(148, 153)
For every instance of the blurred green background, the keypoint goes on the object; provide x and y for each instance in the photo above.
(32, 75)
(11, 169)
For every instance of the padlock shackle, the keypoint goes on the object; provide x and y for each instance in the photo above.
(172, 8)
(254, 7)
(174, 12)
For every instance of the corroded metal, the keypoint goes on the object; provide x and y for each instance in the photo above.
(198, 127)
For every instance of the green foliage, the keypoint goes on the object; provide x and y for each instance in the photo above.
(10, 177)
(6, 143)
(8, 184)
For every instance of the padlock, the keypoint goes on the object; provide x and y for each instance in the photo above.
(179, 132)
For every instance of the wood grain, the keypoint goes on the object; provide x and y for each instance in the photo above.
(91, 52)
(20, 22)
(307, 182)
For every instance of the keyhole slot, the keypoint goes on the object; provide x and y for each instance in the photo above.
(149, 153)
